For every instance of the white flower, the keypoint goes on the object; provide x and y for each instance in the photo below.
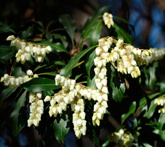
(29, 72)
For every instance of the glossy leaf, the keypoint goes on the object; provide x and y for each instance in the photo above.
(58, 47)
(6, 93)
(95, 32)
(118, 88)
(160, 126)
(90, 62)
(28, 32)
(162, 87)
(121, 33)
(67, 70)
(62, 38)
(92, 20)
(5, 28)
(18, 116)
(48, 73)
(91, 82)
(6, 52)
(151, 110)
(125, 21)
(69, 24)
(132, 109)
(59, 63)
(17, 71)
(40, 84)
(60, 130)
(143, 101)
(151, 79)
(106, 144)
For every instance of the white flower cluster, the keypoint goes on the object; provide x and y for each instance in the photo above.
(73, 93)
(101, 79)
(26, 50)
(79, 121)
(108, 19)
(157, 54)
(127, 59)
(12, 81)
(122, 139)
(160, 102)
(36, 108)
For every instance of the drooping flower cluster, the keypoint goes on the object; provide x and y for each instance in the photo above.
(108, 19)
(160, 102)
(74, 94)
(127, 59)
(26, 50)
(36, 108)
(157, 54)
(101, 79)
(12, 81)
(121, 139)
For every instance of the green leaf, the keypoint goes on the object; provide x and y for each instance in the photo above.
(125, 21)
(118, 88)
(95, 32)
(132, 109)
(5, 28)
(48, 73)
(151, 110)
(62, 38)
(67, 70)
(40, 84)
(160, 126)
(69, 24)
(151, 79)
(78, 76)
(143, 101)
(6, 93)
(106, 144)
(60, 130)
(17, 71)
(39, 67)
(121, 33)
(90, 62)
(58, 47)
(28, 32)
(18, 116)
(91, 82)
(92, 20)
(162, 87)
(59, 63)
(6, 52)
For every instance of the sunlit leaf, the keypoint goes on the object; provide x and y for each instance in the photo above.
(67, 70)
(60, 130)
(40, 84)
(18, 116)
